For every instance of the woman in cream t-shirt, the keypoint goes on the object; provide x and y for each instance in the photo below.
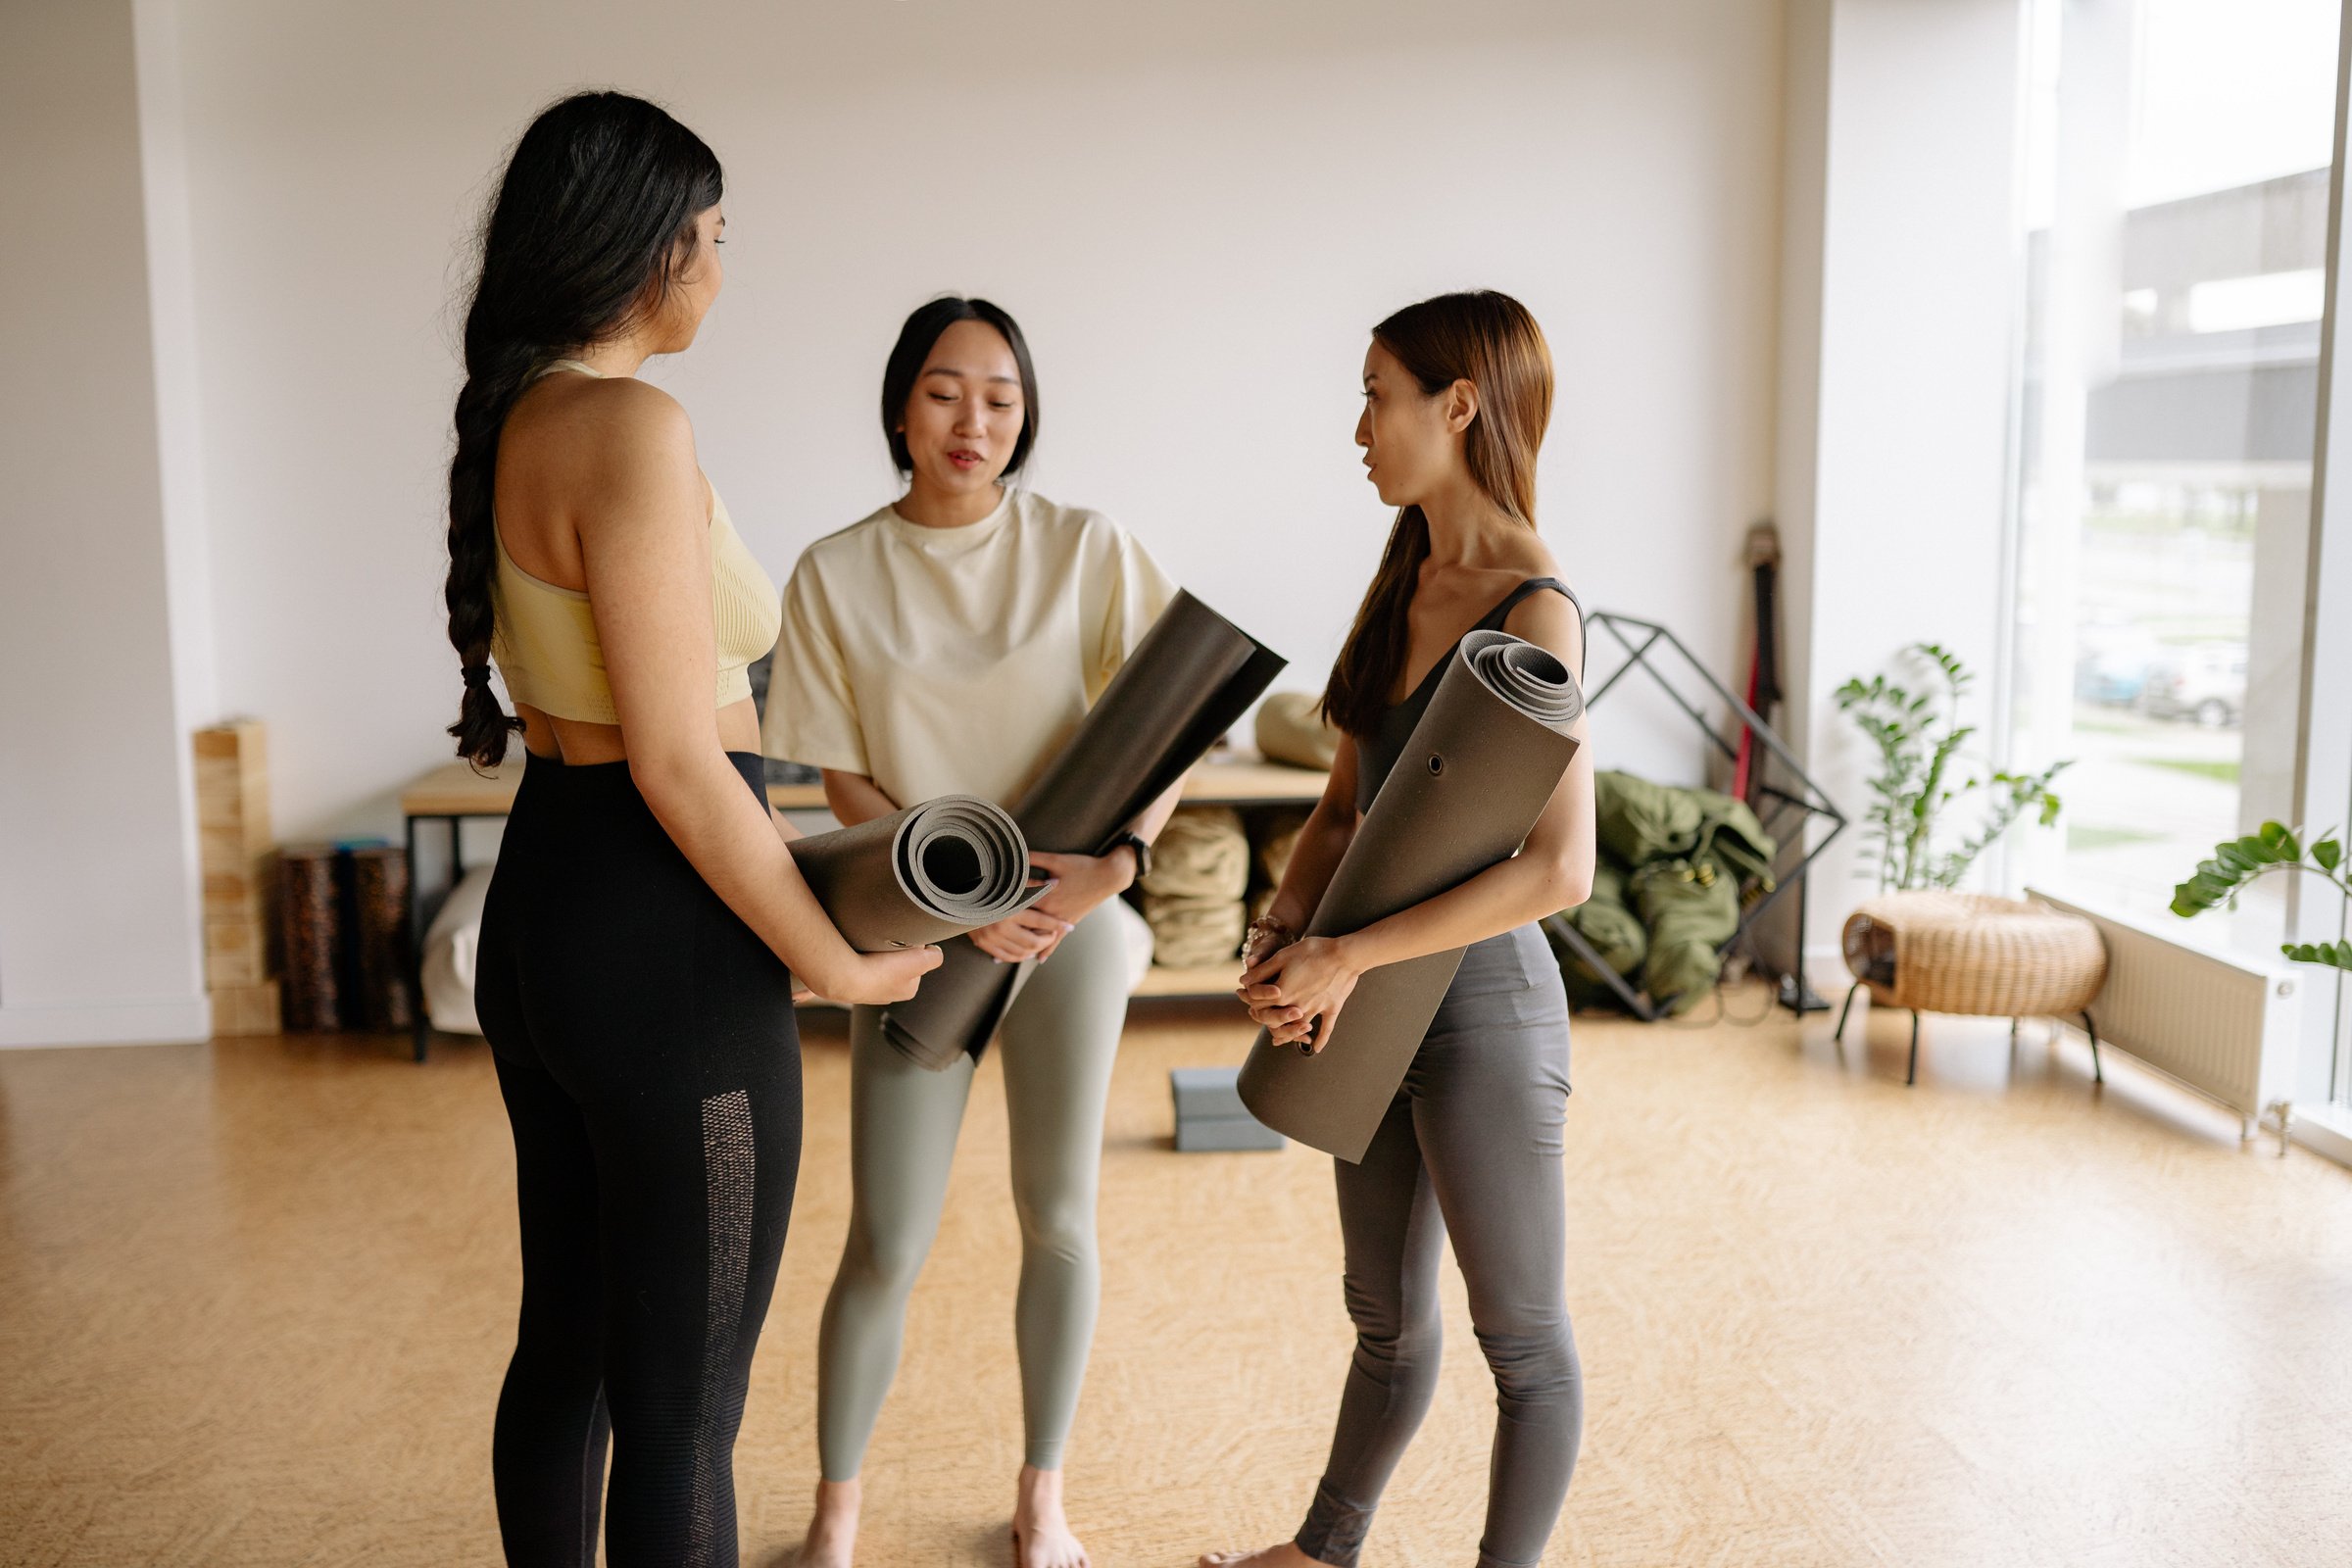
(949, 644)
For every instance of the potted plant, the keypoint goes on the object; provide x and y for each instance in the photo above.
(2237, 862)
(1923, 774)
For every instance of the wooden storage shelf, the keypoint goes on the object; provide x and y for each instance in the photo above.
(454, 792)
(1218, 980)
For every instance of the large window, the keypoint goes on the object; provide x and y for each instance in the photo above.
(2177, 170)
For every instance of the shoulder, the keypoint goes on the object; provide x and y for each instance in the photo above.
(628, 420)
(1080, 531)
(618, 435)
(1045, 515)
(845, 569)
(613, 459)
(842, 545)
(1549, 618)
(843, 540)
(1531, 556)
(1532, 559)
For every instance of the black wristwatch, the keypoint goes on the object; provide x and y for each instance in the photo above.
(1142, 848)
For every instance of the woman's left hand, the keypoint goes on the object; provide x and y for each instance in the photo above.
(1084, 883)
(1307, 981)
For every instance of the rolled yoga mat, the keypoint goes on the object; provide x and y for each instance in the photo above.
(919, 875)
(1191, 676)
(1475, 774)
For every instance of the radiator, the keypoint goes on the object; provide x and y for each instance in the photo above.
(2225, 1025)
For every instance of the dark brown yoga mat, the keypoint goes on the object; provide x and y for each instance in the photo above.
(380, 889)
(308, 922)
(919, 875)
(1477, 771)
(1191, 677)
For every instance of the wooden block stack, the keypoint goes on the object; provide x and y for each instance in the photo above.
(233, 824)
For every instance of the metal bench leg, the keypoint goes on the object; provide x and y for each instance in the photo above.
(414, 978)
(1912, 1077)
(1846, 1009)
(2098, 1074)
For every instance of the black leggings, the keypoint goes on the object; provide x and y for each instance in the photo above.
(645, 1050)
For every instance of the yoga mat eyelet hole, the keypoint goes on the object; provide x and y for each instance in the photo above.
(1436, 766)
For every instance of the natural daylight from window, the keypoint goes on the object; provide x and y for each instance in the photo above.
(2174, 228)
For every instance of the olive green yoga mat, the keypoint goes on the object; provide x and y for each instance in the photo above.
(1477, 771)
(1191, 677)
(924, 874)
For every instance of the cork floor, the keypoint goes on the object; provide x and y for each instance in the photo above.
(255, 1300)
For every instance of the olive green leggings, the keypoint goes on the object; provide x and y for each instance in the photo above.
(1057, 1041)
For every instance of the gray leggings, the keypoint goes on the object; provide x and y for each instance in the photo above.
(1472, 1145)
(1058, 1039)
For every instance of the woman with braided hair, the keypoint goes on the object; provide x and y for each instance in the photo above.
(645, 924)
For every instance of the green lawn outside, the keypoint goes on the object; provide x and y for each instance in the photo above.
(2081, 836)
(2220, 770)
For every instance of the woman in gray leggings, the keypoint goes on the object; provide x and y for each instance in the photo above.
(1457, 391)
(949, 644)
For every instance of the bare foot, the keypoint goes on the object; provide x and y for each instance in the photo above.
(1041, 1531)
(1286, 1555)
(833, 1527)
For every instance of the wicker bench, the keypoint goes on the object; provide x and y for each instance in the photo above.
(1969, 953)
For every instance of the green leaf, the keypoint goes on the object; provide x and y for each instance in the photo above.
(2327, 854)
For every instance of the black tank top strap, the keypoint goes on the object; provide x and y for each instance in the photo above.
(1502, 612)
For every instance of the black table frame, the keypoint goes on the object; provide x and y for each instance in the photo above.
(413, 917)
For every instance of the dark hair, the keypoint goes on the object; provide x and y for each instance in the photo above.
(1491, 341)
(913, 347)
(592, 216)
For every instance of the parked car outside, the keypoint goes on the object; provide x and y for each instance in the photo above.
(2206, 684)
(2113, 662)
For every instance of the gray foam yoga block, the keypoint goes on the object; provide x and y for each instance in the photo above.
(1211, 1116)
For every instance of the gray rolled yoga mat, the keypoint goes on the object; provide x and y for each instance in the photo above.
(924, 874)
(1191, 677)
(1478, 770)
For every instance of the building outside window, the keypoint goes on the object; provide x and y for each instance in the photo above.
(2176, 178)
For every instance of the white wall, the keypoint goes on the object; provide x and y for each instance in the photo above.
(98, 928)
(1896, 327)
(1196, 210)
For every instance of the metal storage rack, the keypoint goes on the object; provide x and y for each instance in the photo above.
(1786, 802)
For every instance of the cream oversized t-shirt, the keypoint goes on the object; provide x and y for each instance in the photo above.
(955, 661)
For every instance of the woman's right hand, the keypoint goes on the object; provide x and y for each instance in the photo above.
(1021, 936)
(878, 979)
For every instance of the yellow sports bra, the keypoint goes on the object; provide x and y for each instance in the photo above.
(544, 644)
